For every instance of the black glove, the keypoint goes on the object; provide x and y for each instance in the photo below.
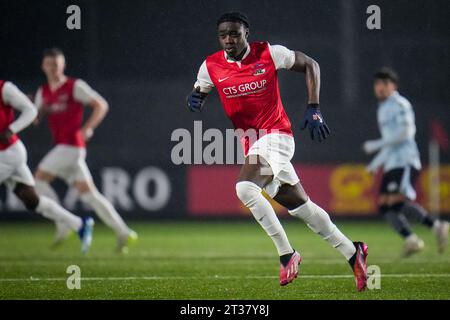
(6, 135)
(195, 100)
(315, 123)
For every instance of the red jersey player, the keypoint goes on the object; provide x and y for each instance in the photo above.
(62, 99)
(245, 77)
(14, 171)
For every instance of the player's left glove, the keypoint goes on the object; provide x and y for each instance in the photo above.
(195, 100)
(5, 136)
(315, 123)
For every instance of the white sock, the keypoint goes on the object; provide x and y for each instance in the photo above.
(53, 211)
(105, 211)
(319, 221)
(251, 196)
(44, 188)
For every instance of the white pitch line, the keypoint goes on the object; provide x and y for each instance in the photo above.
(318, 276)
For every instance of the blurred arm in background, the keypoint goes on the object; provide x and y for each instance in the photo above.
(85, 94)
(402, 129)
(12, 96)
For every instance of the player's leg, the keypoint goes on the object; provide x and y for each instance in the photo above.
(299, 205)
(53, 211)
(439, 227)
(43, 184)
(46, 206)
(397, 203)
(295, 199)
(90, 195)
(51, 166)
(254, 175)
(248, 189)
(391, 200)
(44, 188)
(391, 208)
(22, 183)
(416, 212)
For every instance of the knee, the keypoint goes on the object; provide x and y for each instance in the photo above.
(391, 206)
(31, 203)
(84, 187)
(43, 176)
(247, 192)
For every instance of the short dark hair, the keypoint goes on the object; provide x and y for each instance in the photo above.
(234, 16)
(52, 52)
(388, 74)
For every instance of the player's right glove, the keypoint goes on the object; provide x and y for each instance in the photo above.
(315, 123)
(5, 136)
(195, 100)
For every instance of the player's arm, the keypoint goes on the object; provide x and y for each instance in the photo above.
(298, 61)
(311, 69)
(403, 130)
(86, 95)
(313, 119)
(39, 103)
(196, 99)
(12, 96)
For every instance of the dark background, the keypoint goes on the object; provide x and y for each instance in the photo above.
(143, 57)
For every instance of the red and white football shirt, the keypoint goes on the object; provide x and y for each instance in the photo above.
(65, 106)
(248, 89)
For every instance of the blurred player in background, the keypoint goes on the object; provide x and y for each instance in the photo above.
(399, 158)
(245, 76)
(62, 100)
(14, 171)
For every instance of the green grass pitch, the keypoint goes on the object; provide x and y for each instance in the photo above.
(213, 260)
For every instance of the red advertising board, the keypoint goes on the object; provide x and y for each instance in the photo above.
(345, 189)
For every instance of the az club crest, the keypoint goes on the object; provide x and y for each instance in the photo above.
(259, 70)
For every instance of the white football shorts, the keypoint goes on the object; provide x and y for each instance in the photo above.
(66, 162)
(13, 166)
(277, 149)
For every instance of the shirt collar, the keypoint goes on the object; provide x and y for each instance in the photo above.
(247, 52)
(393, 95)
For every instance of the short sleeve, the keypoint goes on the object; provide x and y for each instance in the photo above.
(38, 101)
(282, 57)
(83, 93)
(20, 102)
(203, 79)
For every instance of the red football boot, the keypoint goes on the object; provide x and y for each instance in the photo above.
(289, 272)
(359, 266)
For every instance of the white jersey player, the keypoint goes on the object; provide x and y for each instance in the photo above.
(14, 171)
(399, 158)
